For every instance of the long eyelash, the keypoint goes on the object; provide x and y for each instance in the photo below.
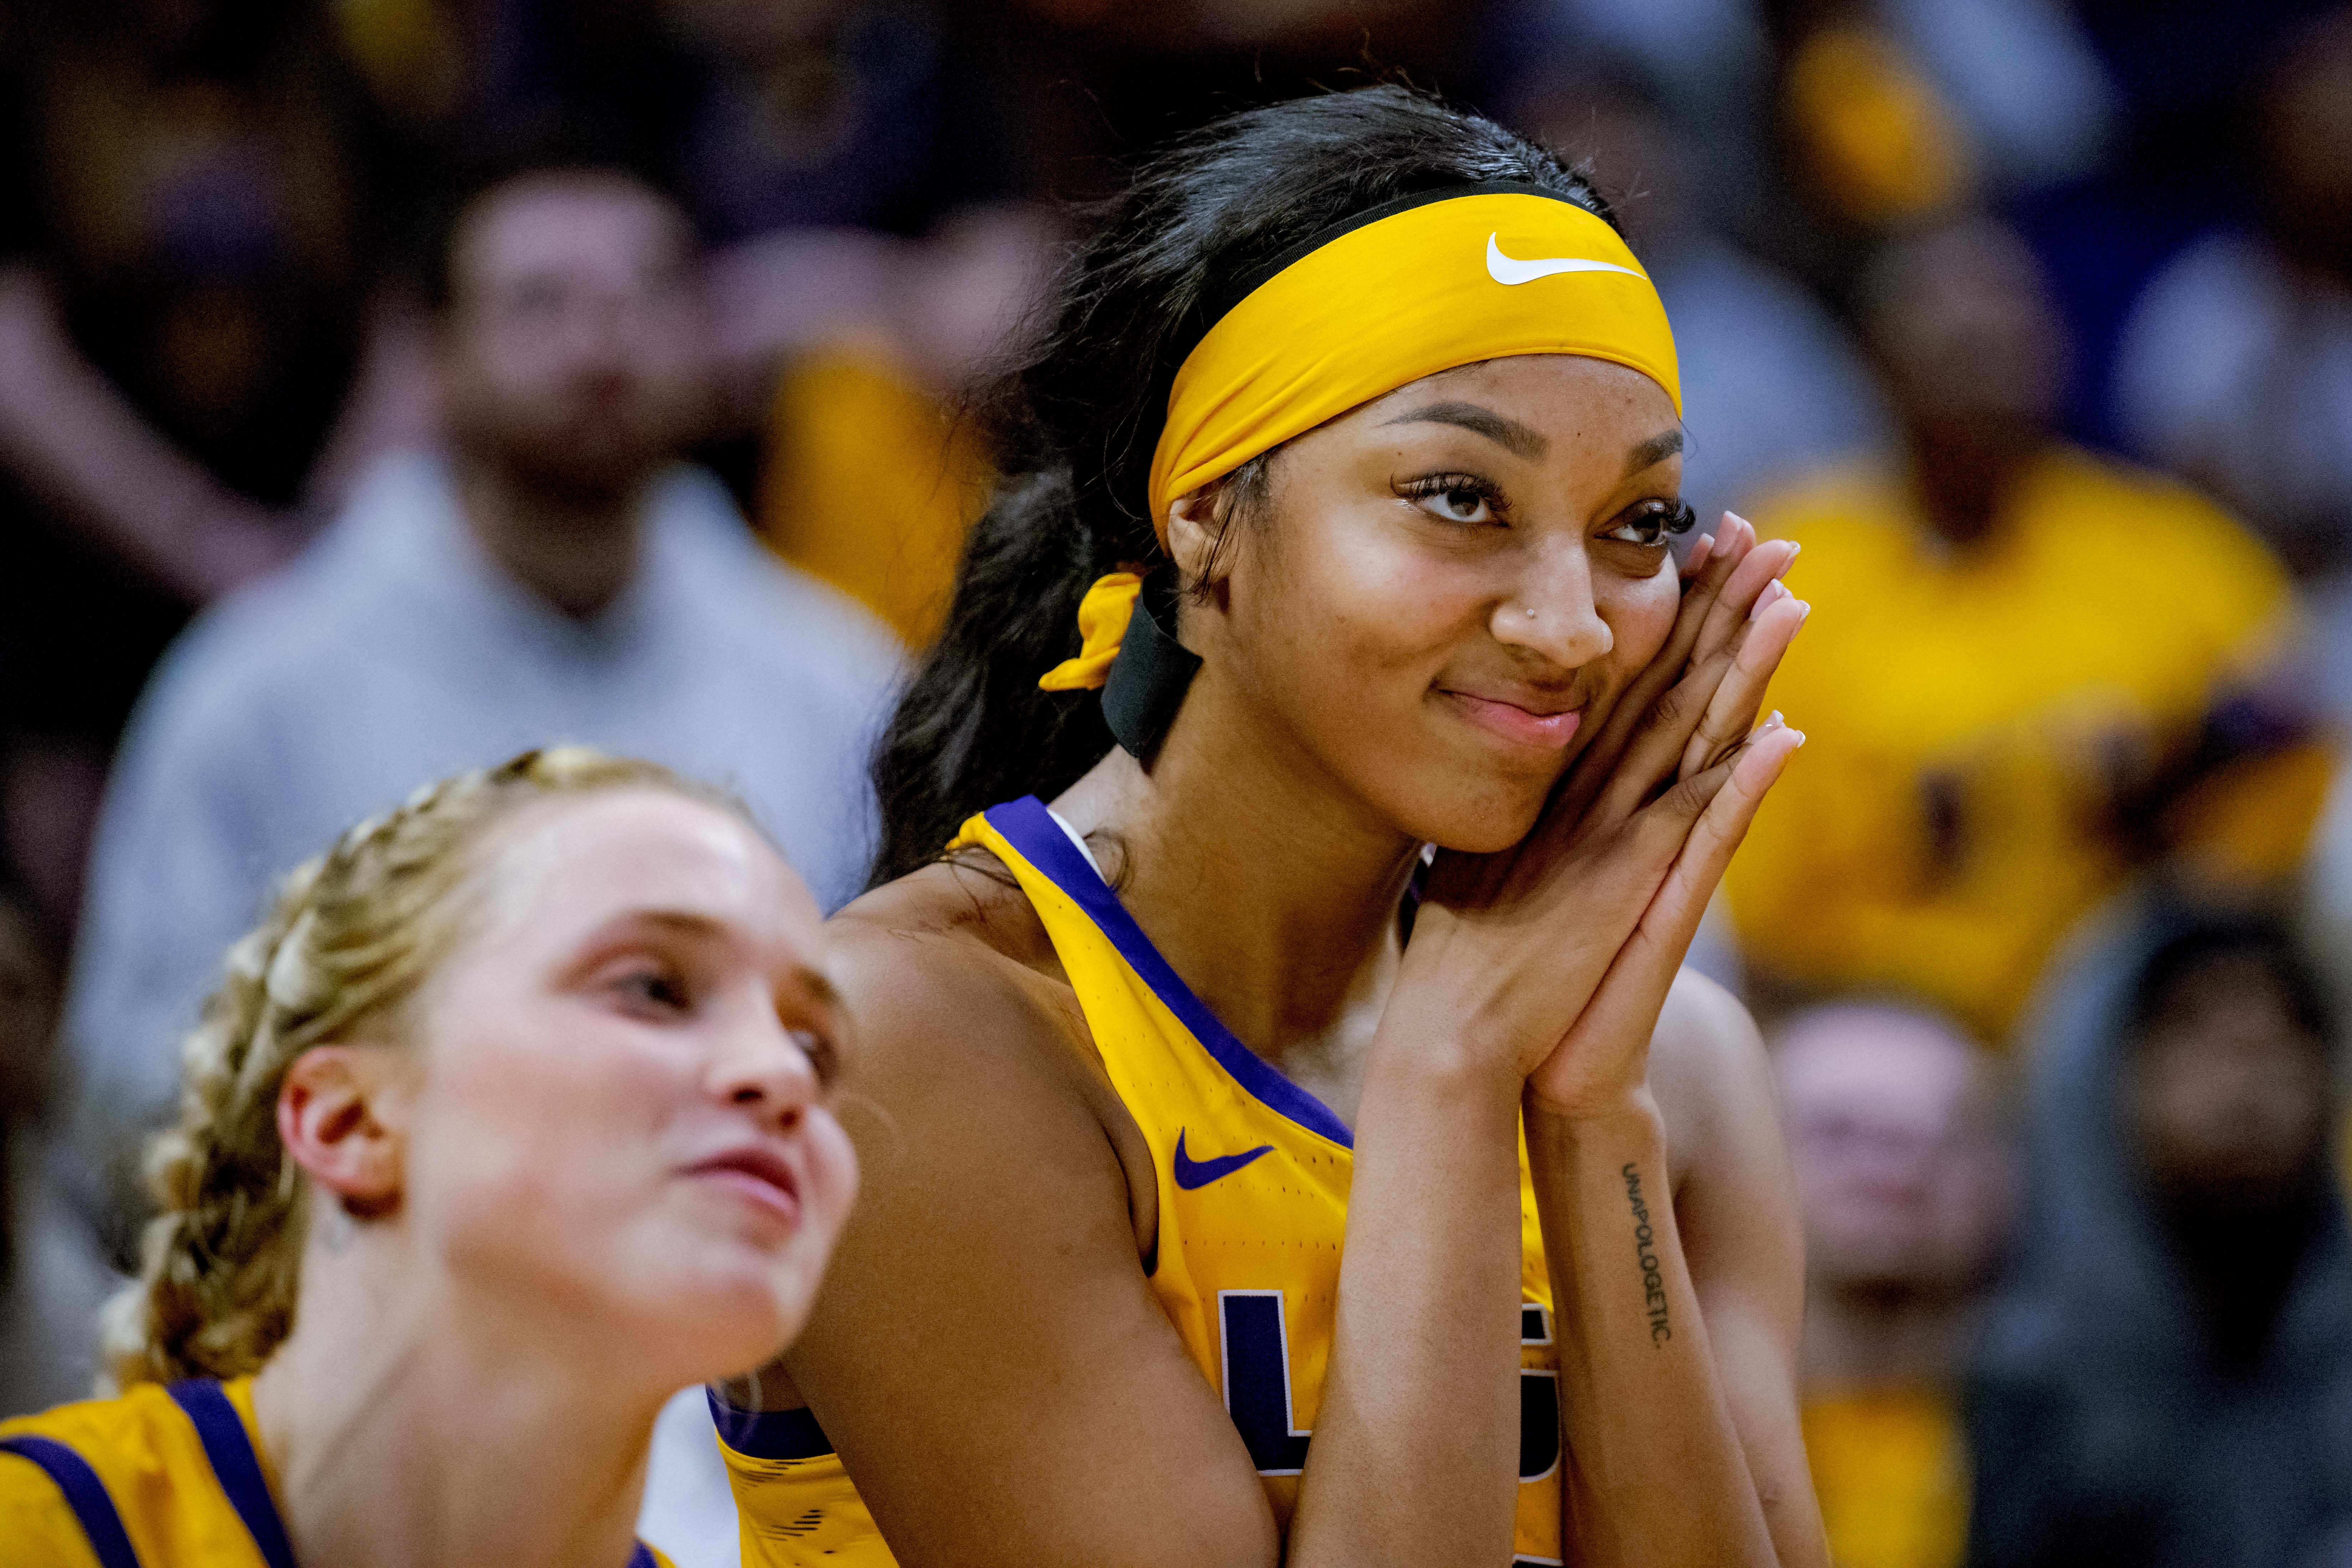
(1440, 484)
(1675, 519)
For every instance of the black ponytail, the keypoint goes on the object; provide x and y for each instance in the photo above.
(1076, 421)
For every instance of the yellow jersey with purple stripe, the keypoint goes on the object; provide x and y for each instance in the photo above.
(1253, 1174)
(164, 1477)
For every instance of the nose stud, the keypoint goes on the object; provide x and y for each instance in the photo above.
(1530, 612)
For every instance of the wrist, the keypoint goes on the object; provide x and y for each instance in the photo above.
(1631, 1116)
(1432, 1055)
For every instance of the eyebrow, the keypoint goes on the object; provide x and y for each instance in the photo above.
(1654, 450)
(1509, 433)
(813, 982)
(820, 990)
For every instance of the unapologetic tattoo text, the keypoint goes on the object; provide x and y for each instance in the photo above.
(1646, 1251)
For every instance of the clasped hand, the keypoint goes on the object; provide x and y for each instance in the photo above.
(1553, 958)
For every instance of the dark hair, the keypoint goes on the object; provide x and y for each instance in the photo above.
(1076, 420)
(452, 209)
(2197, 940)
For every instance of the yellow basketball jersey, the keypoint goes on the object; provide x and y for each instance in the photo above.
(1253, 1172)
(163, 1478)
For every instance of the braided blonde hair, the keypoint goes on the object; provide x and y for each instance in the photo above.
(349, 940)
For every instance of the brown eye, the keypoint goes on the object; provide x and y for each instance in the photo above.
(1462, 499)
(1649, 523)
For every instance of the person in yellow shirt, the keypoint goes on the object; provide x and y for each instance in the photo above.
(510, 1120)
(1906, 1185)
(2037, 669)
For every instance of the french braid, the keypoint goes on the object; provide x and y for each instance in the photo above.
(349, 938)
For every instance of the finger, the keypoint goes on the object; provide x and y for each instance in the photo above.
(1706, 715)
(1720, 827)
(1636, 986)
(1599, 759)
(1653, 756)
(1696, 562)
(1759, 575)
(1731, 709)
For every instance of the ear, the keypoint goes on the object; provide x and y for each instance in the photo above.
(331, 1117)
(1195, 522)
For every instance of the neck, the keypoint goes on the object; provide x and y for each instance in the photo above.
(1880, 1335)
(576, 550)
(1962, 472)
(412, 1424)
(1271, 891)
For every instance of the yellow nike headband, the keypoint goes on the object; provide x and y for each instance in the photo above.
(1444, 282)
(1425, 284)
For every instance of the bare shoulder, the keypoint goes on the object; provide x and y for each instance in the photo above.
(961, 1019)
(1709, 1071)
(956, 941)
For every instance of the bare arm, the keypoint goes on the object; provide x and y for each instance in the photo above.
(1735, 1209)
(988, 1356)
(1679, 1426)
(1683, 1294)
(77, 440)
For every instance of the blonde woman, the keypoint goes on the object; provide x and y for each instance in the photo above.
(510, 1121)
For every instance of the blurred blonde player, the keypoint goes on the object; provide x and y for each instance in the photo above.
(510, 1119)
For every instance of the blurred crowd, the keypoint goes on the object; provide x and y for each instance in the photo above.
(386, 385)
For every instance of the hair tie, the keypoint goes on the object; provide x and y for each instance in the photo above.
(1102, 623)
(1138, 665)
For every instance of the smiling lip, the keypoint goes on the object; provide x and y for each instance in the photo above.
(761, 1177)
(1544, 731)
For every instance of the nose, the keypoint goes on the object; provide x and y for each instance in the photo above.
(762, 1068)
(1552, 614)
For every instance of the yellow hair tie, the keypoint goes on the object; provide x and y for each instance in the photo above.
(1103, 616)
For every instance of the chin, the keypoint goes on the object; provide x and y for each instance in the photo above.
(1474, 814)
(728, 1317)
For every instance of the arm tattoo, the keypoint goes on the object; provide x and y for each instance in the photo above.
(1653, 1283)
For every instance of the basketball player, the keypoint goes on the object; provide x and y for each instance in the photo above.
(1229, 1202)
(508, 1122)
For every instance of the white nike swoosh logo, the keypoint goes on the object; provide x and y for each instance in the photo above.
(1506, 270)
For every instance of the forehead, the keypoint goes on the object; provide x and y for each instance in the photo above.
(1568, 397)
(1578, 378)
(1888, 1062)
(574, 223)
(564, 865)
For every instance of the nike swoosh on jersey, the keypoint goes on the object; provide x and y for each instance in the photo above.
(1509, 270)
(1192, 1173)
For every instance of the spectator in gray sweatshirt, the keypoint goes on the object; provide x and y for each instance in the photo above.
(550, 574)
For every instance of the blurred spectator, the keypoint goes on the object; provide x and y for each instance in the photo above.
(2168, 1379)
(51, 1279)
(870, 476)
(2034, 670)
(1906, 1187)
(189, 239)
(551, 575)
(2236, 366)
(1772, 387)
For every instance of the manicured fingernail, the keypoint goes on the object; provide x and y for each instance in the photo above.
(1801, 738)
(1794, 550)
(1775, 721)
(1802, 613)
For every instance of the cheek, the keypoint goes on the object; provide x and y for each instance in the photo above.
(531, 1142)
(1327, 606)
(1640, 613)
